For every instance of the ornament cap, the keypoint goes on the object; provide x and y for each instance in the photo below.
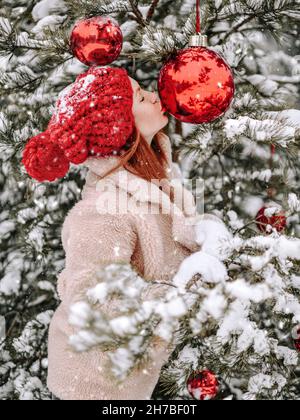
(198, 40)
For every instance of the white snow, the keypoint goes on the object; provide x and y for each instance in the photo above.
(264, 175)
(252, 204)
(290, 357)
(263, 84)
(262, 381)
(10, 283)
(98, 293)
(47, 21)
(26, 385)
(234, 222)
(281, 247)
(236, 322)
(242, 290)
(2, 329)
(176, 307)
(122, 361)
(260, 130)
(122, 326)
(65, 103)
(6, 228)
(209, 267)
(295, 280)
(45, 7)
(294, 203)
(214, 305)
(36, 238)
(292, 116)
(288, 304)
(79, 314)
(213, 236)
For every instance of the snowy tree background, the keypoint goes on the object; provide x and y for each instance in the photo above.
(239, 325)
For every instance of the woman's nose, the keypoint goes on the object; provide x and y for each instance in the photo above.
(154, 97)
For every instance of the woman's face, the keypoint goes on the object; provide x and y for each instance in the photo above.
(146, 109)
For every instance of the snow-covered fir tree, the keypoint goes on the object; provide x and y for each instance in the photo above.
(236, 319)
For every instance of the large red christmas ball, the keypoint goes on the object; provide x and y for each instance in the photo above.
(96, 41)
(203, 385)
(296, 337)
(196, 85)
(277, 221)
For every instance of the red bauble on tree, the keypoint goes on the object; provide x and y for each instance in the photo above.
(196, 85)
(96, 41)
(296, 337)
(203, 385)
(277, 220)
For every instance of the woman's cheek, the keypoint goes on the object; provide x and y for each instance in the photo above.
(140, 116)
(154, 114)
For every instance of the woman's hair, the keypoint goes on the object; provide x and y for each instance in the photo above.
(144, 160)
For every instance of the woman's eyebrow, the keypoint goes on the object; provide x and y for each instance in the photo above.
(137, 90)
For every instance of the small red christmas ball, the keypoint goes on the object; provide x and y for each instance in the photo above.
(277, 221)
(97, 40)
(43, 159)
(203, 385)
(296, 337)
(196, 85)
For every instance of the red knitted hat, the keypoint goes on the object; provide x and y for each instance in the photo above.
(92, 117)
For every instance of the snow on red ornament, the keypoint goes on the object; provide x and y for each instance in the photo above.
(196, 85)
(296, 337)
(277, 220)
(203, 385)
(97, 40)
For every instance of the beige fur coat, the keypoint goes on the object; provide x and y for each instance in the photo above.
(154, 242)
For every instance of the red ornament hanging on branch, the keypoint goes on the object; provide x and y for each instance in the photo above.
(203, 385)
(277, 220)
(296, 337)
(97, 40)
(196, 84)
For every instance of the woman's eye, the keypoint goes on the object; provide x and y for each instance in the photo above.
(142, 99)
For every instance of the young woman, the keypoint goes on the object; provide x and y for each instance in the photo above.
(147, 229)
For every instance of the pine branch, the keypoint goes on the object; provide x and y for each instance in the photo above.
(152, 9)
(89, 8)
(137, 13)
